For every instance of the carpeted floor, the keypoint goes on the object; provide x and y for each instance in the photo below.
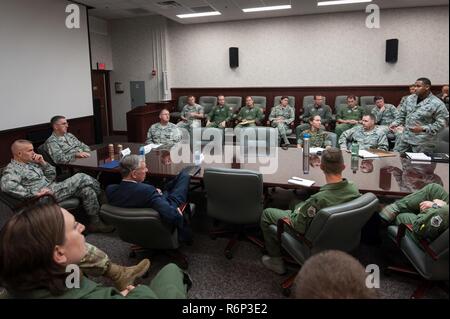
(215, 276)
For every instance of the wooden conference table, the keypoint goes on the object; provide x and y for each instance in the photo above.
(388, 176)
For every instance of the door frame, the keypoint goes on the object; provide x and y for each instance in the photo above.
(106, 74)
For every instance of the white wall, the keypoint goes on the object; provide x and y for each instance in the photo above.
(100, 43)
(44, 66)
(319, 50)
(133, 54)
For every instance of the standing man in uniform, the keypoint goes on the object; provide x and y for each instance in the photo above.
(349, 116)
(62, 146)
(281, 116)
(191, 115)
(367, 135)
(219, 115)
(249, 115)
(29, 175)
(337, 191)
(423, 115)
(163, 132)
(426, 210)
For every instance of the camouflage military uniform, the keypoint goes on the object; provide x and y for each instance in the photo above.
(219, 114)
(288, 115)
(387, 116)
(304, 212)
(247, 113)
(186, 113)
(167, 135)
(346, 113)
(318, 138)
(431, 114)
(375, 138)
(62, 149)
(25, 180)
(427, 224)
(95, 262)
(324, 111)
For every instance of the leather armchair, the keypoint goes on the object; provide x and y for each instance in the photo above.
(366, 100)
(336, 227)
(430, 259)
(144, 228)
(442, 143)
(207, 102)
(261, 102)
(176, 114)
(229, 201)
(234, 103)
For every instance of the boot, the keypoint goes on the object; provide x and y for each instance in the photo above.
(125, 276)
(100, 227)
(276, 264)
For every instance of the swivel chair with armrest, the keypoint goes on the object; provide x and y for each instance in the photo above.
(336, 227)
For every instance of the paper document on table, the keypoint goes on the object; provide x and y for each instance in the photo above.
(315, 150)
(149, 147)
(367, 154)
(418, 157)
(301, 181)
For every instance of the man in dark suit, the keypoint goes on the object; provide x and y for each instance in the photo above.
(133, 193)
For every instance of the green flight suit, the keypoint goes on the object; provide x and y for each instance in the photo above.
(250, 113)
(427, 224)
(168, 284)
(346, 113)
(304, 212)
(218, 114)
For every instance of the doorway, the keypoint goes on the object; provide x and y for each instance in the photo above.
(101, 90)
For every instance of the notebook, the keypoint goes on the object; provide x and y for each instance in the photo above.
(110, 165)
(418, 157)
(301, 181)
(193, 170)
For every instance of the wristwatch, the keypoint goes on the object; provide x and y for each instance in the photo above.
(435, 206)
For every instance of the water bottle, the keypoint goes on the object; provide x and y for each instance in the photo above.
(355, 148)
(142, 153)
(306, 138)
(354, 164)
(197, 159)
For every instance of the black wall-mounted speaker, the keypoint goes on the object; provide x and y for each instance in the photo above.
(391, 50)
(234, 57)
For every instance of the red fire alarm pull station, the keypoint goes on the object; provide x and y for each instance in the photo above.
(101, 66)
(153, 72)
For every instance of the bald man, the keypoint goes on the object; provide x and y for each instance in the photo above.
(28, 175)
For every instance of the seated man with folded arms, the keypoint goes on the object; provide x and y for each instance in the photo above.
(332, 274)
(367, 135)
(349, 116)
(443, 96)
(281, 116)
(425, 209)
(133, 193)
(338, 190)
(29, 175)
(220, 114)
(318, 137)
(384, 113)
(164, 132)
(191, 115)
(62, 146)
(33, 264)
(249, 115)
(318, 108)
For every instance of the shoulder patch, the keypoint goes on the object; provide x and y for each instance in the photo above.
(311, 211)
(436, 221)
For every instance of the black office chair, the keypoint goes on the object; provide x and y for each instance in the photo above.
(336, 227)
(229, 201)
